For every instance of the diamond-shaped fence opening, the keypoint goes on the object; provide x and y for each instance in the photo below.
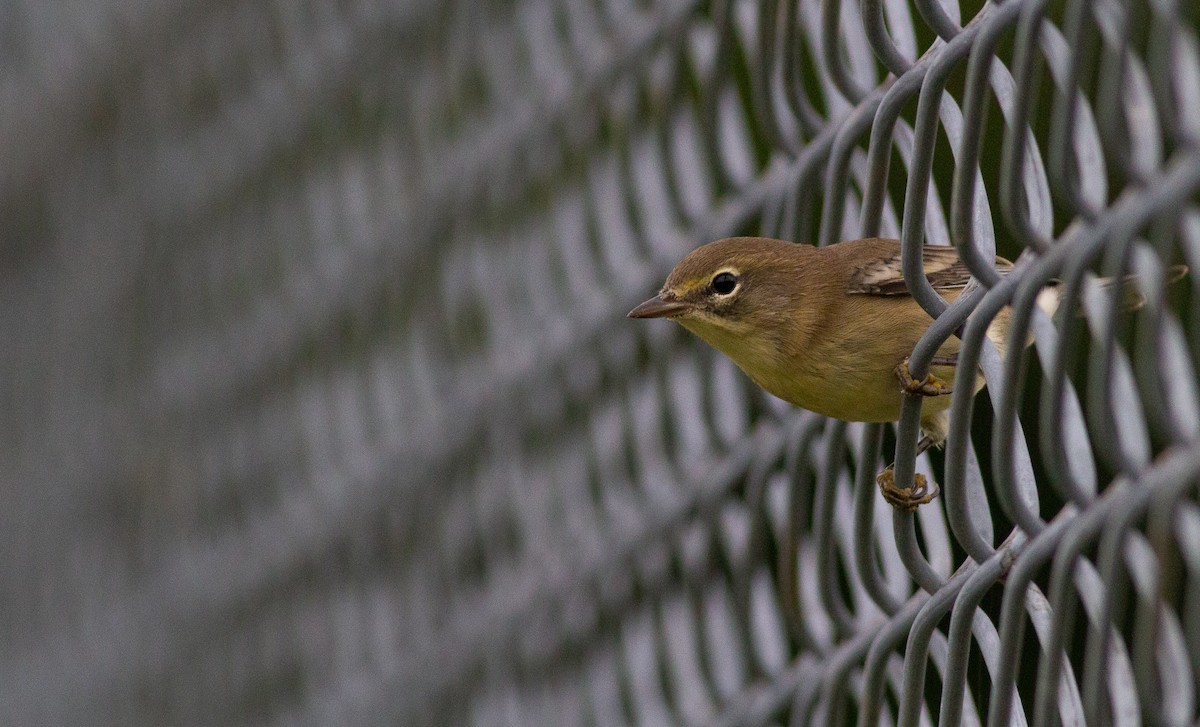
(320, 405)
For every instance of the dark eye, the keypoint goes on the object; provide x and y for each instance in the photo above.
(724, 283)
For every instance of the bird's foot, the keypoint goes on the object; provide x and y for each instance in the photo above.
(926, 443)
(906, 499)
(928, 386)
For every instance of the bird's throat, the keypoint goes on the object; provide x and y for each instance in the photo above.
(757, 355)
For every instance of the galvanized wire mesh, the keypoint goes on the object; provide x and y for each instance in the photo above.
(321, 406)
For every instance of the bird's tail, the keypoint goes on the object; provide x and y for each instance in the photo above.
(1050, 297)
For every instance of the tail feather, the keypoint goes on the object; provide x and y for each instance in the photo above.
(1134, 299)
(1051, 296)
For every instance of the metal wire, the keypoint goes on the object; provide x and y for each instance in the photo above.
(321, 407)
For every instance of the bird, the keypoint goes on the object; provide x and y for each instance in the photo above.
(828, 329)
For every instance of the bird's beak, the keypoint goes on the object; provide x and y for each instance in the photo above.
(659, 307)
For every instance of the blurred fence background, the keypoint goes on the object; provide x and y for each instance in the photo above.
(319, 404)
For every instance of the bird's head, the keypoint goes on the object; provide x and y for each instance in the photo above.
(732, 292)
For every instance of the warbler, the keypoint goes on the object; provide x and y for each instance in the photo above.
(827, 329)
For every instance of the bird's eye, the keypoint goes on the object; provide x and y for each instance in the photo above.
(724, 283)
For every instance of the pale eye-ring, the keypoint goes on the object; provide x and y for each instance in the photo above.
(724, 283)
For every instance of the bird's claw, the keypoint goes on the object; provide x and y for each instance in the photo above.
(928, 386)
(906, 499)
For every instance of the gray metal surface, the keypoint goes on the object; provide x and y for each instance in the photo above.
(320, 406)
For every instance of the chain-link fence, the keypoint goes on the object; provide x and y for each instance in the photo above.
(320, 405)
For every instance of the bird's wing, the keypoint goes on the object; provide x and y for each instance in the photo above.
(944, 269)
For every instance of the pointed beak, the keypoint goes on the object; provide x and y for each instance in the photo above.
(659, 307)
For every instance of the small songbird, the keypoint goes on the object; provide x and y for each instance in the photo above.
(827, 329)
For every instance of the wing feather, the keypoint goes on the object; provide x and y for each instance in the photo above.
(944, 269)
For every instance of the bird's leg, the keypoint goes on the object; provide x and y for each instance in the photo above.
(906, 498)
(928, 386)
